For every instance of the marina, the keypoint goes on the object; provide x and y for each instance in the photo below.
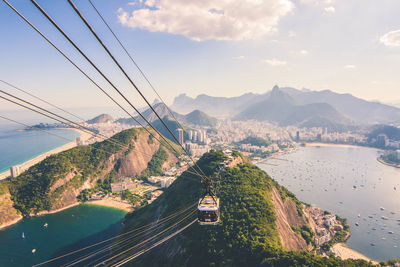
(351, 183)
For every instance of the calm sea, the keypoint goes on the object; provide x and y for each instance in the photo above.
(67, 231)
(351, 183)
(18, 146)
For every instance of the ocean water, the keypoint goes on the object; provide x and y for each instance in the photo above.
(349, 182)
(18, 146)
(67, 231)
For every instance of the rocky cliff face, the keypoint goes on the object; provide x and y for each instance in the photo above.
(55, 183)
(287, 216)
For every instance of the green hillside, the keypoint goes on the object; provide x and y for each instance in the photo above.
(31, 191)
(247, 234)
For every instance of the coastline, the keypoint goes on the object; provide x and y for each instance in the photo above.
(111, 203)
(388, 164)
(27, 164)
(7, 224)
(344, 252)
(340, 249)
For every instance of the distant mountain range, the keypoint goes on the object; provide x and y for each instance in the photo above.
(194, 118)
(289, 106)
(101, 119)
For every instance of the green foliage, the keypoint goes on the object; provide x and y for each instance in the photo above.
(305, 231)
(154, 167)
(32, 191)
(247, 234)
(390, 131)
(133, 198)
(4, 187)
(255, 141)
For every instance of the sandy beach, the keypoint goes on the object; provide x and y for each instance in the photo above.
(26, 165)
(112, 203)
(344, 252)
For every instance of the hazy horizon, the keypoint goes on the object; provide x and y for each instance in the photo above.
(344, 46)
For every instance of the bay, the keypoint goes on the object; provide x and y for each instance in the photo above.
(18, 146)
(350, 182)
(66, 231)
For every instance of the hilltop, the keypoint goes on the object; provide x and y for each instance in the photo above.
(195, 117)
(355, 109)
(259, 222)
(55, 182)
(103, 118)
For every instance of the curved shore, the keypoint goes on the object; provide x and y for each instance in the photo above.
(344, 252)
(27, 164)
(387, 163)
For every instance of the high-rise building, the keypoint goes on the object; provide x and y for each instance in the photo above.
(195, 136)
(15, 171)
(190, 135)
(382, 140)
(179, 135)
(297, 136)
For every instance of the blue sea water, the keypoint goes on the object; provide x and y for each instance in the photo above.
(67, 231)
(18, 146)
(350, 182)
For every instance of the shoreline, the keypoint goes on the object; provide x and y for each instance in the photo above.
(340, 249)
(111, 203)
(29, 163)
(104, 203)
(344, 252)
(388, 164)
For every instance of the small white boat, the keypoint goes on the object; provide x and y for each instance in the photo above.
(23, 235)
(34, 250)
(46, 224)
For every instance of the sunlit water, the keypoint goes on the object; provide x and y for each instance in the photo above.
(16, 147)
(351, 183)
(67, 231)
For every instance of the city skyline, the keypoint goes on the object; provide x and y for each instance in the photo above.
(344, 46)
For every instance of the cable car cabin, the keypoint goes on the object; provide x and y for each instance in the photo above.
(208, 210)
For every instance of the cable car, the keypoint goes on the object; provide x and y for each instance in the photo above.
(208, 210)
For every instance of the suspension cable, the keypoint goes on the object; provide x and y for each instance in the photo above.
(136, 65)
(105, 77)
(167, 218)
(154, 245)
(79, 69)
(44, 101)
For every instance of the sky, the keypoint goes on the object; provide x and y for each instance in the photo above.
(220, 48)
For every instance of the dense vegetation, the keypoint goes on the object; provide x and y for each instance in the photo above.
(247, 234)
(391, 132)
(154, 167)
(255, 141)
(31, 191)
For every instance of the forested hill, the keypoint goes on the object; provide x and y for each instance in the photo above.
(56, 182)
(248, 234)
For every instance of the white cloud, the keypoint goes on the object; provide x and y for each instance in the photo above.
(391, 38)
(350, 67)
(208, 19)
(330, 9)
(275, 62)
(299, 52)
(317, 2)
(239, 57)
